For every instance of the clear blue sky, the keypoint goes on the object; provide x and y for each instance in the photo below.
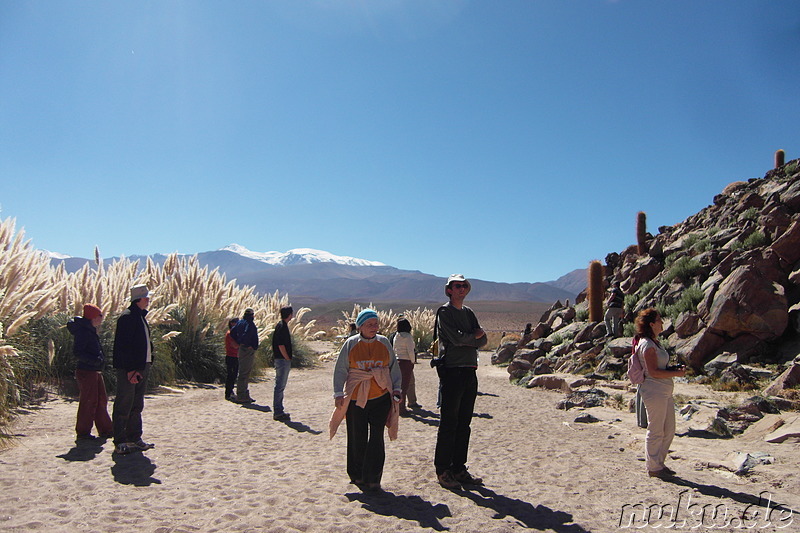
(508, 140)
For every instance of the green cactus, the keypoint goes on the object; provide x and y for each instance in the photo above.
(780, 156)
(641, 233)
(595, 295)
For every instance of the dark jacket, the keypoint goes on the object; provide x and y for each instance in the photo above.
(281, 337)
(87, 347)
(245, 333)
(131, 338)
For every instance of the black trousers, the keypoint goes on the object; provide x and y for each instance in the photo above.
(232, 365)
(365, 448)
(459, 388)
(126, 416)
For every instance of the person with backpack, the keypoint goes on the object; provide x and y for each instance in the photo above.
(656, 391)
(459, 336)
(614, 311)
(245, 334)
(93, 400)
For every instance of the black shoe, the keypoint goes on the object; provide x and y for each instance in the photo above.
(466, 478)
(447, 480)
(283, 417)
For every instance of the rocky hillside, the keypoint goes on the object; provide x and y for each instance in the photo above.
(726, 280)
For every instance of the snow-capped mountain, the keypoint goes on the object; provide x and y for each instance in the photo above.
(299, 256)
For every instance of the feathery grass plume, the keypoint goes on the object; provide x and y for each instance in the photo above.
(641, 233)
(421, 320)
(595, 286)
(780, 157)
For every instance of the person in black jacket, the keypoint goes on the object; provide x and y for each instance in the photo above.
(93, 402)
(133, 357)
(245, 333)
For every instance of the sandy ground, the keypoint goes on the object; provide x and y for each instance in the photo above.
(218, 466)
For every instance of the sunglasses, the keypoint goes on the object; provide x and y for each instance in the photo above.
(460, 285)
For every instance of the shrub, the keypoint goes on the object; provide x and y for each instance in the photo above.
(688, 301)
(751, 213)
(684, 269)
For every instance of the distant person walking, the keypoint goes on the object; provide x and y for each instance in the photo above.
(366, 390)
(93, 401)
(231, 361)
(245, 333)
(282, 355)
(614, 311)
(460, 336)
(133, 358)
(404, 349)
(656, 391)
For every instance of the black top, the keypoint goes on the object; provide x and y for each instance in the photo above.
(281, 336)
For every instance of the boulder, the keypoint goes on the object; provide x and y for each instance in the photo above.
(747, 302)
(697, 349)
(585, 399)
(529, 355)
(620, 347)
(550, 382)
(789, 430)
(541, 330)
(642, 271)
(504, 353)
(518, 368)
(787, 246)
(688, 324)
(586, 418)
(789, 378)
(542, 366)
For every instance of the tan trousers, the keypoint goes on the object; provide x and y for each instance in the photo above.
(660, 406)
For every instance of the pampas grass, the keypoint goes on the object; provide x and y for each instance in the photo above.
(189, 310)
(421, 320)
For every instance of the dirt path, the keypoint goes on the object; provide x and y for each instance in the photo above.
(218, 466)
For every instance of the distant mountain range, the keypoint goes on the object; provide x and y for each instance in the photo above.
(317, 276)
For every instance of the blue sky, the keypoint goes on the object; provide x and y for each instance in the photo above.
(508, 140)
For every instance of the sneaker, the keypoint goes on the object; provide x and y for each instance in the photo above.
(661, 474)
(86, 436)
(414, 406)
(125, 448)
(283, 417)
(142, 445)
(447, 480)
(467, 479)
(245, 401)
(231, 398)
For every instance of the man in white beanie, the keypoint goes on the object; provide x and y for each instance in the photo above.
(459, 337)
(133, 357)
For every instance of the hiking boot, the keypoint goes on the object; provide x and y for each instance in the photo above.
(142, 445)
(125, 448)
(466, 478)
(447, 480)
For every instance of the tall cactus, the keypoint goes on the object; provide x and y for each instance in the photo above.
(595, 291)
(780, 156)
(641, 233)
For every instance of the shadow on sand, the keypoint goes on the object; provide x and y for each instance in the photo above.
(411, 508)
(84, 450)
(526, 514)
(721, 492)
(300, 427)
(134, 469)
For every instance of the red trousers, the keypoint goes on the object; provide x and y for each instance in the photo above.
(92, 406)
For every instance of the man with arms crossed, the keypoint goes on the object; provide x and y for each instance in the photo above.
(460, 336)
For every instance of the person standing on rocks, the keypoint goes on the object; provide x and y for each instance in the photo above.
(133, 358)
(282, 356)
(245, 333)
(656, 391)
(459, 337)
(614, 311)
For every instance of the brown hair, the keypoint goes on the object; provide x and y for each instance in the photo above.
(644, 322)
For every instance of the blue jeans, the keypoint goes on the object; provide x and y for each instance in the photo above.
(282, 367)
